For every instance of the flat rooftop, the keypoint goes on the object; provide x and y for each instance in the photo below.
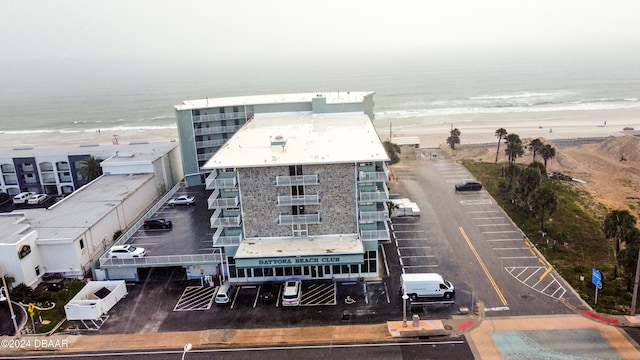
(332, 98)
(299, 246)
(298, 138)
(131, 150)
(72, 216)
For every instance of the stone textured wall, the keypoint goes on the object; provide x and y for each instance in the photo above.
(337, 199)
(259, 196)
(337, 207)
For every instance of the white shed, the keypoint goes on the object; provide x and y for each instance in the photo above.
(95, 300)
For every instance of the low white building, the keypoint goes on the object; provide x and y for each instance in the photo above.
(70, 235)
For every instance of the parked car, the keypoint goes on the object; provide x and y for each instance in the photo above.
(126, 252)
(268, 291)
(37, 199)
(469, 186)
(292, 293)
(156, 223)
(22, 197)
(182, 200)
(224, 293)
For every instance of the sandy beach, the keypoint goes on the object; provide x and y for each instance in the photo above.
(475, 129)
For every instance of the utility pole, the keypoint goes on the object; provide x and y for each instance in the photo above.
(634, 297)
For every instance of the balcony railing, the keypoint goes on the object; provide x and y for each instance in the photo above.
(223, 203)
(218, 220)
(210, 143)
(48, 179)
(374, 196)
(377, 235)
(205, 156)
(292, 200)
(227, 240)
(215, 181)
(65, 179)
(372, 176)
(299, 219)
(229, 129)
(366, 216)
(297, 180)
(223, 116)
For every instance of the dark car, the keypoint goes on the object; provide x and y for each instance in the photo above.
(269, 291)
(157, 224)
(469, 186)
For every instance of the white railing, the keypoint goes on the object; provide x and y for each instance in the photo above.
(223, 203)
(167, 260)
(217, 220)
(217, 129)
(291, 200)
(210, 143)
(369, 235)
(374, 215)
(299, 219)
(227, 240)
(223, 116)
(373, 176)
(213, 182)
(282, 180)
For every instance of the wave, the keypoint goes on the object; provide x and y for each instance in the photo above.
(549, 106)
(519, 95)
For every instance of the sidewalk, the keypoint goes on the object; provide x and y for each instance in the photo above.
(477, 330)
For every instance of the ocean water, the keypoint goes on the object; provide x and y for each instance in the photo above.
(109, 94)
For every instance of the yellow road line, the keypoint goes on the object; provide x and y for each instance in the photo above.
(486, 271)
(546, 273)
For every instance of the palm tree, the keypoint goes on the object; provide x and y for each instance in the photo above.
(514, 147)
(617, 226)
(535, 145)
(547, 152)
(90, 168)
(543, 202)
(454, 138)
(500, 134)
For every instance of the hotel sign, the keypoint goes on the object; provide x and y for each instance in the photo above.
(320, 260)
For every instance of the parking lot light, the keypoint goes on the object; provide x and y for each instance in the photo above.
(405, 297)
(186, 349)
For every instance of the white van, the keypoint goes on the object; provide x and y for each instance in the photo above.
(22, 197)
(429, 285)
(223, 296)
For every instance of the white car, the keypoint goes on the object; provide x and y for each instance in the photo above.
(292, 294)
(22, 197)
(126, 252)
(182, 200)
(37, 199)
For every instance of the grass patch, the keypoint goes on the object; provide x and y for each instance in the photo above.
(574, 243)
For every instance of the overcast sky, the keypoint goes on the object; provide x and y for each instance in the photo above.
(255, 29)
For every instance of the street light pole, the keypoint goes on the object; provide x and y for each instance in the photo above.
(405, 297)
(6, 290)
(634, 297)
(186, 349)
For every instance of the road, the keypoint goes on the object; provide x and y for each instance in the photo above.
(447, 349)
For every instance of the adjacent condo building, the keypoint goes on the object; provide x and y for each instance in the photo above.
(205, 125)
(300, 194)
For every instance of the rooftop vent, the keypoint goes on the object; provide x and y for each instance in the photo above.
(278, 140)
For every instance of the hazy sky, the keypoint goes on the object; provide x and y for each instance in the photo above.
(250, 30)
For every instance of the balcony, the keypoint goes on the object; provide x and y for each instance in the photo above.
(223, 116)
(48, 178)
(229, 129)
(374, 196)
(7, 169)
(63, 166)
(297, 180)
(371, 174)
(221, 180)
(216, 202)
(220, 240)
(210, 143)
(299, 219)
(64, 179)
(369, 216)
(219, 220)
(294, 200)
(205, 156)
(375, 235)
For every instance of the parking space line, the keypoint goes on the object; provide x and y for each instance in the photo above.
(414, 247)
(420, 266)
(488, 218)
(499, 232)
(516, 257)
(490, 240)
(484, 267)
(417, 256)
(494, 225)
(516, 248)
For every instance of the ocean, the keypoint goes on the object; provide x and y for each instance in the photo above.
(69, 95)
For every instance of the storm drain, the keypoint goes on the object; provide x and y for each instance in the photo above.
(196, 298)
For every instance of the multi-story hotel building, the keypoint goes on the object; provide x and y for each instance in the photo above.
(300, 194)
(205, 125)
